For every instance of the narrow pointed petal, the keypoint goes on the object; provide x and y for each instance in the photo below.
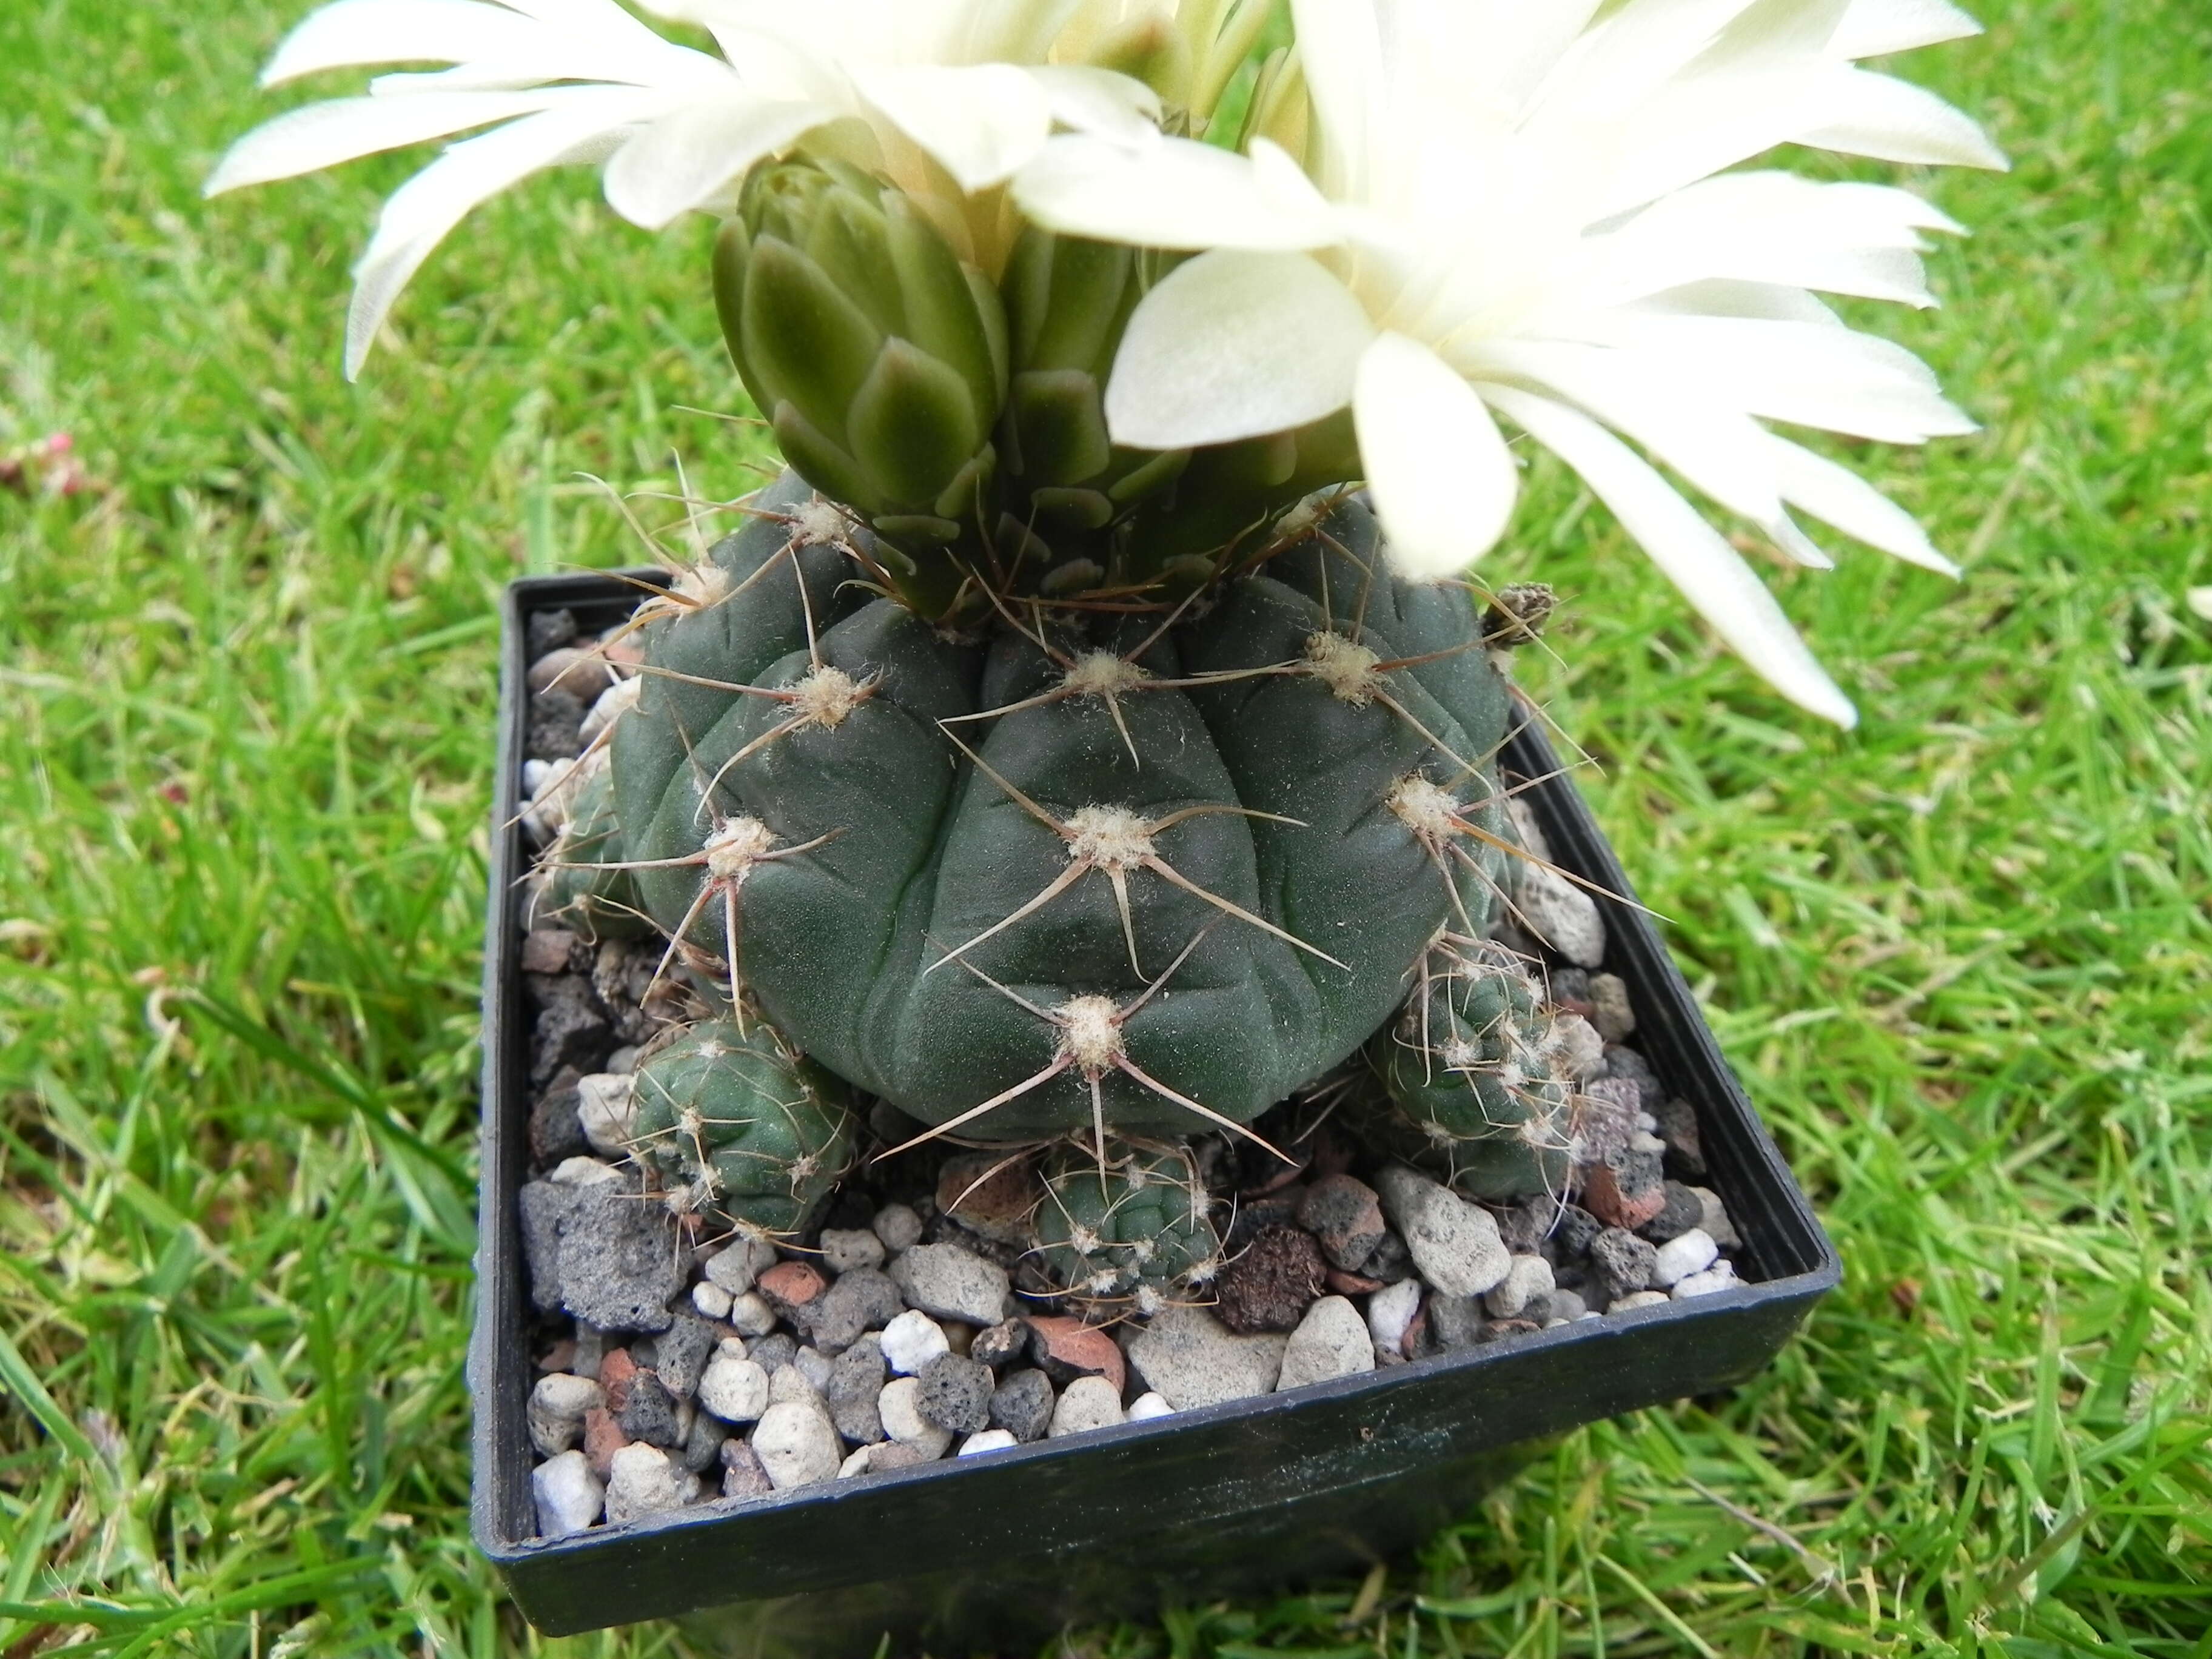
(1172, 194)
(1894, 120)
(1838, 496)
(354, 34)
(980, 122)
(1112, 106)
(1710, 572)
(1232, 345)
(1442, 477)
(693, 156)
(318, 135)
(1874, 28)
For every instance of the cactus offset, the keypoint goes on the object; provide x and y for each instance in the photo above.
(1112, 1223)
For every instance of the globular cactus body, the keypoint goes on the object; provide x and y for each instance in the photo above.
(739, 1128)
(1476, 1076)
(1103, 870)
(1138, 1216)
(581, 884)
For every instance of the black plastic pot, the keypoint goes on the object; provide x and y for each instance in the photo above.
(966, 1555)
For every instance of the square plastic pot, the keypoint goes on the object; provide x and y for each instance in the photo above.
(967, 1554)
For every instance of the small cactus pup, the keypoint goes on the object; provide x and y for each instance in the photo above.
(1131, 1220)
(582, 884)
(739, 1128)
(1478, 1076)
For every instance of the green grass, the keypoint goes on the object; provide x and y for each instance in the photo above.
(1961, 956)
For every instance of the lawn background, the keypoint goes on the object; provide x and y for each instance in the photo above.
(1962, 957)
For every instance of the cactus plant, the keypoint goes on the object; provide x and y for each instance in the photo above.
(1132, 1216)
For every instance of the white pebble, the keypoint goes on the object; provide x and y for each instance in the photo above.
(1455, 1243)
(711, 1299)
(1636, 1299)
(856, 1464)
(912, 1340)
(1145, 1407)
(1529, 1276)
(1087, 1403)
(788, 1385)
(750, 1315)
(733, 1388)
(846, 1248)
(736, 1268)
(898, 1226)
(609, 706)
(814, 1366)
(899, 1406)
(583, 1172)
(607, 1113)
(646, 1482)
(1389, 1310)
(1721, 1276)
(1331, 1341)
(796, 1444)
(569, 1496)
(555, 1412)
(987, 1440)
(1682, 1255)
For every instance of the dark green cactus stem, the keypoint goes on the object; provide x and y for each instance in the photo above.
(580, 884)
(1142, 1218)
(1162, 878)
(739, 1128)
(1480, 1090)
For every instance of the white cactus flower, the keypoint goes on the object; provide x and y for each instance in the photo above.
(964, 91)
(1519, 209)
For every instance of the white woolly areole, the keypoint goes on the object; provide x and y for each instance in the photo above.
(703, 584)
(1090, 1033)
(1346, 669)
(1102, 674)
(1425, 807)
(734, 848)
(827, 696)
(1108, 838)
(819, 522)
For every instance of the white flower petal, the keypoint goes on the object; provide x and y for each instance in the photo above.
(352, 34)
(1172, 194)
(1232, 345)
(1894, 120)
(691, 156)
(1874, 28)
(1710, 572)
(1442, 477)
(979, 122)
(586, 124)
(1342, 48)
(323, 135)
(1838, 496)
(1112, 106)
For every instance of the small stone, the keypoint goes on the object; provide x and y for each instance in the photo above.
(1087, 1403)
(620, 1265)
(1714, 1219)
(645, 1481)
(680, 1352)
(1561, 1307)
(1686, 1145)
(1343, 1284)
(1021, 1405)
(895, 1454)
(1574, 1232)
(712, 1301)
(774, 1351)
(547, 629)
(591, 1346)
(1721, 1276)
(704, 1442)
(1454, 1323)
(1636, 1299)
(1389, 1311)
(741, 1473)
(579, 672)
(1528, 1277)
(846, 1248)
(750, 1314)
(912, 1340)
(1391, 1262)
(649, 1412)
(1610, 1118)
(618, 1368)
(1622, 1263)
(797, 1445)
(1191, 1359)
(1610, 1011)
(956, 1394)
(790, 1286)
(898, 1226)
(1330, 1341)
(541, 1207)
(856, 1381)
(952, 1283)
(1453, 1243)
(738, 1268)
(555, 1412)
(814, 1365)
(554, 1131)
(569, 1496)
(571, 1028)
(862, 1300)
(1560, 913)
(606, 1112)
(1688, 1253)
(1498, 1329)
(1271, 1285)
(548, 950)
(1002, 1344)
(603, 1438)
(732, 1387)
(1628, 1189)
(855, 1464)
(900, 1407)
(584, 1172)
(1065, 1349)
(1346, 1216)
(561, 1357)
(1678, 1215)
(1629, 1064)
(1577, 1049)
(1147, 1407)
(991, 1195)
(987, 1440)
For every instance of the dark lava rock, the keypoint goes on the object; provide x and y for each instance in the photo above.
(649, 1411)
(542, 1207)
(1021, 1405)
(571, 1029)
(555, 1133)
(681, 1352)
(741, 1473)
(550, 630)
(856, 1382)
(1685, 1147)
(1573, 1232)
(1346, 1216)
(774, 1351)
(1455, 1322)
(1628, 1187)
(1622, 1263)
(864, 1299)
(1623, 1061)
(1001, 1345)
(954, 1394)
(703, 1447)
(620, 1261)
(1271, 1285)
(1683, 1210)
(1390, 1262)
(556, 721)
